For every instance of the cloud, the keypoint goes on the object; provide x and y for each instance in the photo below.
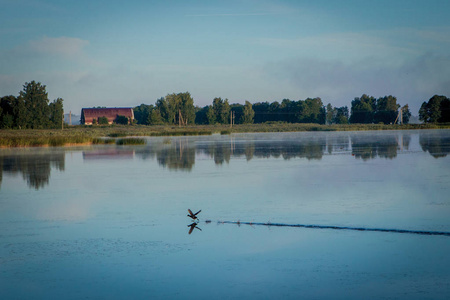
(412, 81)
(64, 46)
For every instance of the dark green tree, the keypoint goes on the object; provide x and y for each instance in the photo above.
(122, 120)
(210, 115)
(406, 114)
(103, 121)
(200, 115)
(154, 118)
(141, 113)
(7, 112)
(35, 98)
(435, 110)
(341, 116)
(363, 109)
(386, 110)
(56, 113)
(330, 114)
(221, 110)
(248, 114)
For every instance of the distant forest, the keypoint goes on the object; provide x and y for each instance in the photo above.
(32, 109)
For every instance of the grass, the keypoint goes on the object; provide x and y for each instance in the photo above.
(131, 141)
(75, 135)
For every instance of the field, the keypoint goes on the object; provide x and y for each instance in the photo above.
(76, 135)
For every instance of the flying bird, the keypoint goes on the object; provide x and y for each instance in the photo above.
(192, 215)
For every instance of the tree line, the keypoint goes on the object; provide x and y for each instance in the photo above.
(31, 109)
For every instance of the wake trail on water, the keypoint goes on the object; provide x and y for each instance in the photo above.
(312, 226)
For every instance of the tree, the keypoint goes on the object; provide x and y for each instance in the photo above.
(435, 110)
(341, 115)
(210, 115)
(121, 120)
(386, 110)
(312, 111)
(200, 115)
(406, 114)
(362, 109)
(103, 121)
(36, 101)
(154, 117)
(330, 114)
(221, 110)
(177, 108)
(248, 113)
(7, 112)
(141, 113)
(56, 113)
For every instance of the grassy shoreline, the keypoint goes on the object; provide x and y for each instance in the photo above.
(86, 135)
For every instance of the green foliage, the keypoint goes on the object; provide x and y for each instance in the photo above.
(406, 114)
(155, 118)
(56, 113)
(177, 109)
(122, 120)
(141, 113)
(211, 116)
(363, 109)
(221, 109)
(103, 121)
(248, 114)
(386, 110)
(436, 110)
(31, 109)
(36, 101)
(200, 115)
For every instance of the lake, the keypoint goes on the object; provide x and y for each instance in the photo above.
(110, 222)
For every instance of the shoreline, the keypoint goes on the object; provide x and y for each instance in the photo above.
(73, 136)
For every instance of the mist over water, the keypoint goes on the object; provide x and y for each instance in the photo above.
(110, 221)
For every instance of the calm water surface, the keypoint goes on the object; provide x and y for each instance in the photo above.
(109, 222)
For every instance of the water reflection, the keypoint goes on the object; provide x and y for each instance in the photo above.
(34, 167)
(366, 147)
(193, 226)
(179, 153)
(437, 146)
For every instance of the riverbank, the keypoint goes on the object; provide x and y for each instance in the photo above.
(85, 135)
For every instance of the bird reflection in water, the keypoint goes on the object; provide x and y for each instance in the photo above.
(192, 226)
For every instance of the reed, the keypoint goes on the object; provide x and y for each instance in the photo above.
(131, 141)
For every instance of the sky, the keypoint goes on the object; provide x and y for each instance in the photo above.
(124, 53)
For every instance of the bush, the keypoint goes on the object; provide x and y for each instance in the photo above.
(103, 121)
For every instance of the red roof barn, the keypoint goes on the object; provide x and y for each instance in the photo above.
(90, 114)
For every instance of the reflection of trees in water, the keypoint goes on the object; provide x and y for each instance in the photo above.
(436, 145)
(177, 156)
(223, 151)
(368, 148)
(35, 169)
(385, 146)
(338, 143)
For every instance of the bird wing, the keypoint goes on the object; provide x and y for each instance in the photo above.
(197, 212)
(190, 212)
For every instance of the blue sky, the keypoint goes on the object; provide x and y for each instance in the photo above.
(124, 53)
